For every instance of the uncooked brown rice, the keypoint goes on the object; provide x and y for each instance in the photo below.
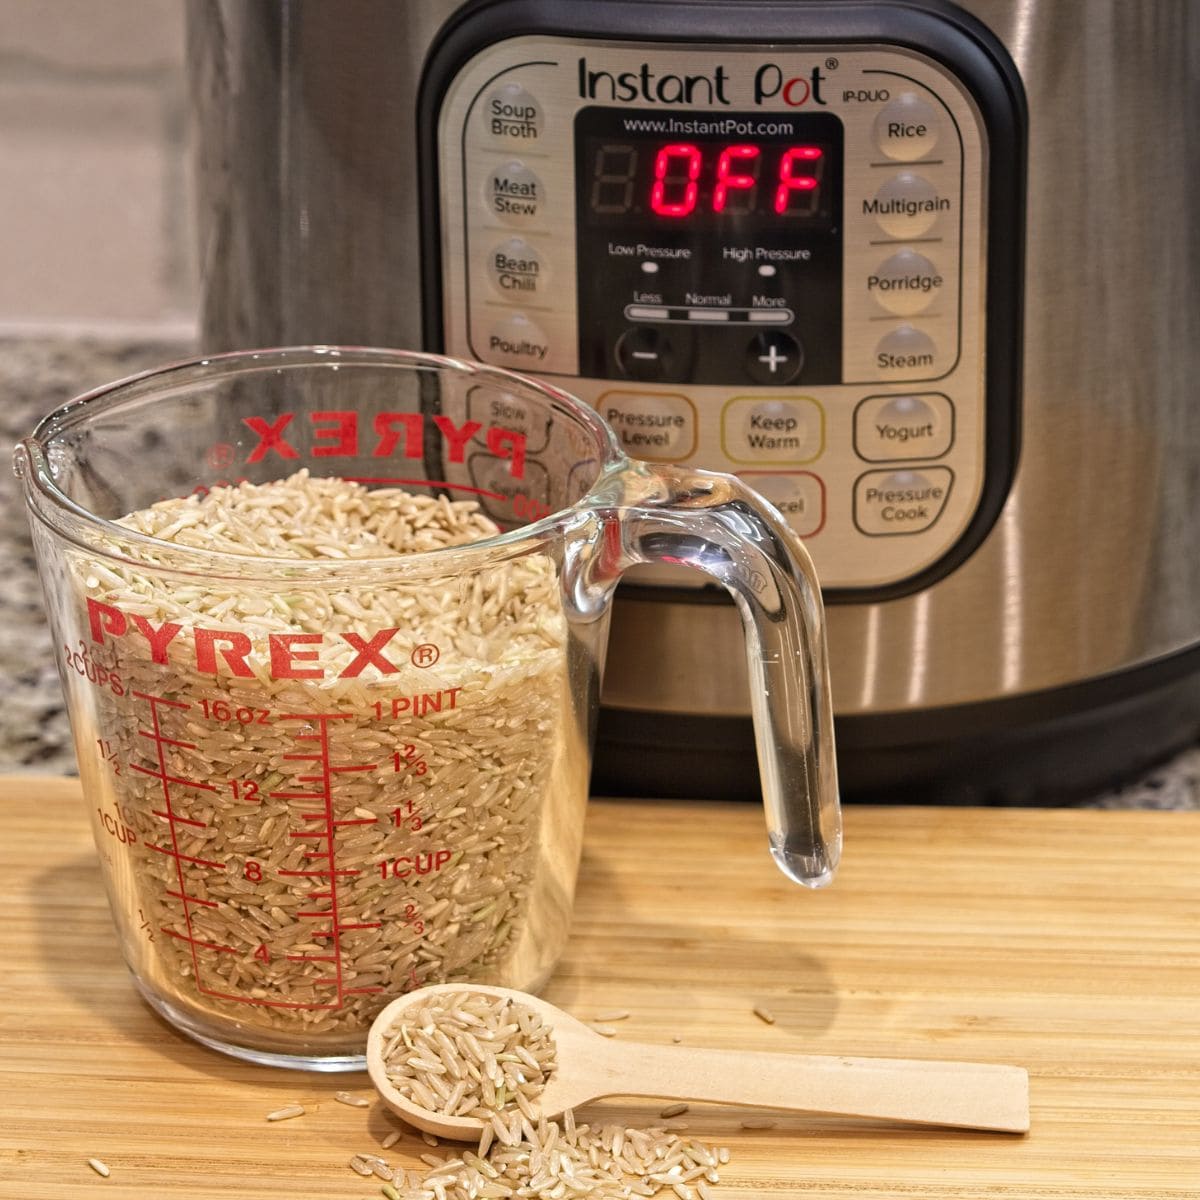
(461, 755)
(470, 1054)
(552, 1161)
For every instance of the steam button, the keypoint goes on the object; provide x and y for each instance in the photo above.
(514, 193)
(907, 353)
(907, 128)
(512, 113)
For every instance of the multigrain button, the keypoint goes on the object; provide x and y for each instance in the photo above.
(906, 206)
(512, 113)
(514, 193)
(891, 503)
(517, 270)
(905, 283)
(907, 128)
(893, 428)
(772, 429)
(799, 496)
(906, 353)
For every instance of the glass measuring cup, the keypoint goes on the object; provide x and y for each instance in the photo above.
(318, 781)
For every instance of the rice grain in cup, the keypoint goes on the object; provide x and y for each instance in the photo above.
(227, 769)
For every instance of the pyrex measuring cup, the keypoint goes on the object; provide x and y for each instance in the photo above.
(323, 774)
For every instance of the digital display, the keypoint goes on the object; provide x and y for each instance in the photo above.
(708, 181)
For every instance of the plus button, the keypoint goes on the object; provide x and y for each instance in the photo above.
(773, 357)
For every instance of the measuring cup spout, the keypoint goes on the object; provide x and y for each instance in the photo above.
(716, 524)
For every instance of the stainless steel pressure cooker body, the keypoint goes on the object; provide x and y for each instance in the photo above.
(924, 274)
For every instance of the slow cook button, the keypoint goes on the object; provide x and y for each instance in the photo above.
(510, 112)
(799, 496)
(891, 428)
(660, 426)
(517, 341)
(517, 270)
(907, 128)
(514, 193)
(905, 283)
(772, 429)
(898, 502)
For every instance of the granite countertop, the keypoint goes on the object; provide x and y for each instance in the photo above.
(38, 374)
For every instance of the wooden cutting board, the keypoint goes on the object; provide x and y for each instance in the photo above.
(1066, 942)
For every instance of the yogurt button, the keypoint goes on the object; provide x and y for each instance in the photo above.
(905, 283)
(517, 342)
(517, 270)
(907, 352)
(907, 128)
(514, 193)
(512, 113)
(906, 206)
(890, 428)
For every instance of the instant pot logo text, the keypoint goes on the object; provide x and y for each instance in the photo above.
(338, 434)
(771, 86)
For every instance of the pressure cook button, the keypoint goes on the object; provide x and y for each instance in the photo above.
(889, 503)
(905, 283)
(773, 357)
(906, 353)
(906, 206)
(799, 496)
(891, 428)
(907, 128)
(648, 353)
(517, 342)
(510, 112)
(517, 270)
(514, 193)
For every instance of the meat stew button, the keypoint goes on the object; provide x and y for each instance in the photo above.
(890, 503)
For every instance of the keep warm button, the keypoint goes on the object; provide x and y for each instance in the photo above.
(888, 503)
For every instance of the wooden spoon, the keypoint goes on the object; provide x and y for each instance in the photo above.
(590, 1066)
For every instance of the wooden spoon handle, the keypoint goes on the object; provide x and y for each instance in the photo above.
(963, 1095)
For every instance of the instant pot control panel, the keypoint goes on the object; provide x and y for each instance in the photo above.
(794, 260)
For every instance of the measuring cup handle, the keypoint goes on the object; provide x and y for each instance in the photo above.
(718, 525)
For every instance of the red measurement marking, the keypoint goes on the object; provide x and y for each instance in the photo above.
(323, 874)
(354, 767)
(206, 787)
(371, 925)
(200, 862)
(166, 816)
(191, 900)
(161, 700)
(196, 941)
(162, 740)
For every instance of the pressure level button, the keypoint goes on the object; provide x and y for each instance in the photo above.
(514, 193)
(907, 127)
(512, 113)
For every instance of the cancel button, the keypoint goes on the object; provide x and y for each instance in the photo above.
(897, 502)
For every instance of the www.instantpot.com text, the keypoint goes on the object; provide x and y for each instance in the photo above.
(722, 127)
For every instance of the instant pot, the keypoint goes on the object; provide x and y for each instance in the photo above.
(926, 275)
